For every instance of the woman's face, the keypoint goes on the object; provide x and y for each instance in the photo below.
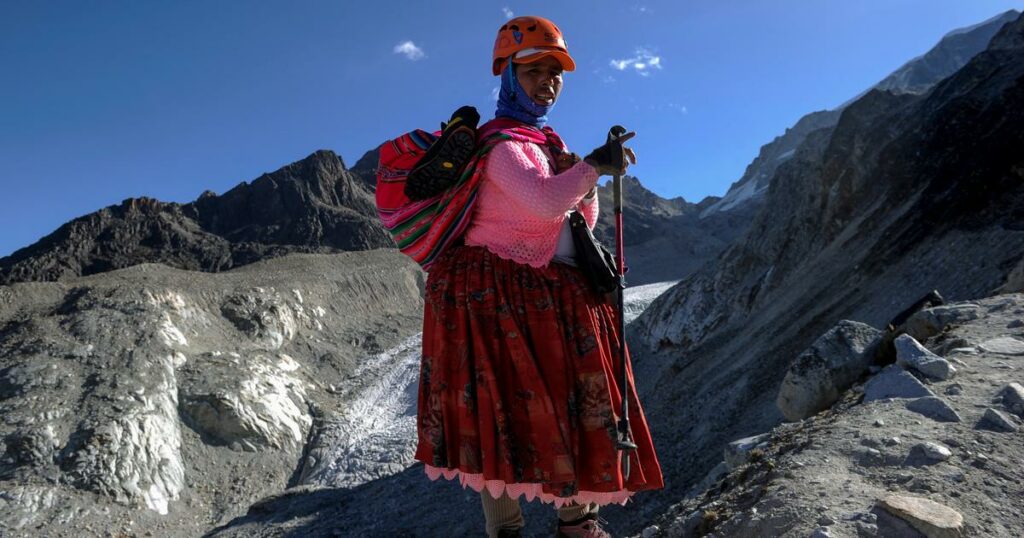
(542, 80)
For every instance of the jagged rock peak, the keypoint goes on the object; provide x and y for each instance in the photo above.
(311, 205)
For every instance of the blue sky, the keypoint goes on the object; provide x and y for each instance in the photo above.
(103, 101)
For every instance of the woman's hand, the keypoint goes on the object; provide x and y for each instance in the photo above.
(565, 161)
(613, 157)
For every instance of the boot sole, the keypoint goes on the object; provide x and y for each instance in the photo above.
(439, 171)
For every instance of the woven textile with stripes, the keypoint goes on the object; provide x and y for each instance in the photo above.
(423, 229)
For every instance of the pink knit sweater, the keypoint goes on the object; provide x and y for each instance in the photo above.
(522, 204)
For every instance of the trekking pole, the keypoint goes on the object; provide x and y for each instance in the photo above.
(624, 442)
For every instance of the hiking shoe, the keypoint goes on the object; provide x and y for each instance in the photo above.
(509, 533)
(440, 166)
(588, 526)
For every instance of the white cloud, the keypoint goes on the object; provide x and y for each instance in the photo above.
(410, 50)
(507, 12)
(680, 108)
(643, 62)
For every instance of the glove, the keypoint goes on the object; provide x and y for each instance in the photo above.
(612, 158)
(565, 161)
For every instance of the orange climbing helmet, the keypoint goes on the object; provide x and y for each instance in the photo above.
(529, 39)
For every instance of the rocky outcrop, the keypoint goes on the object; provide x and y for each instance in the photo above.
(878, 467)
(313, 205)
(829, 367)
(173, 399)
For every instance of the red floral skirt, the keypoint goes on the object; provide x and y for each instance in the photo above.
(519, 384)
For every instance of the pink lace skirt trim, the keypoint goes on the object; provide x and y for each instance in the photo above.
(528, 490)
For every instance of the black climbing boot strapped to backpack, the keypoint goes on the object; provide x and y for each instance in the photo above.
(446, 157)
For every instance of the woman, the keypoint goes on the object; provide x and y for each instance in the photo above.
(518, 394)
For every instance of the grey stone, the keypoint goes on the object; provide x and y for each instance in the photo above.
(1013, 398)
(738, 452)
(994, 420)
(934, 408)
(1004, 345)
(927, 453)
(826, 369)
(866, 517)
(866, 530)
(932, 321)
(911, 354)
(821, 532)
(1015, 324)
(932, 519)
(894, 382)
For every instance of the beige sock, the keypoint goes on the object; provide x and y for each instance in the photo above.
(572, 512)
(502, 513)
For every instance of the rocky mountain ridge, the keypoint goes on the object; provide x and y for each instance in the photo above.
(915, 77)
(312, 205)
(908, 193)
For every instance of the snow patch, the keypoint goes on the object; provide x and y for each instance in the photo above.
(376, 435)
(287, 363)
(734, 198)
(171, 334)
(637, 299)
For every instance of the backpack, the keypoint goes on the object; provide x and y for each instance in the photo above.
(423, 229)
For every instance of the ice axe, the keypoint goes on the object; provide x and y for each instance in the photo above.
(624, 442)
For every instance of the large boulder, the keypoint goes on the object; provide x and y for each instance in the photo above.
(929, 322)
(830, 366)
